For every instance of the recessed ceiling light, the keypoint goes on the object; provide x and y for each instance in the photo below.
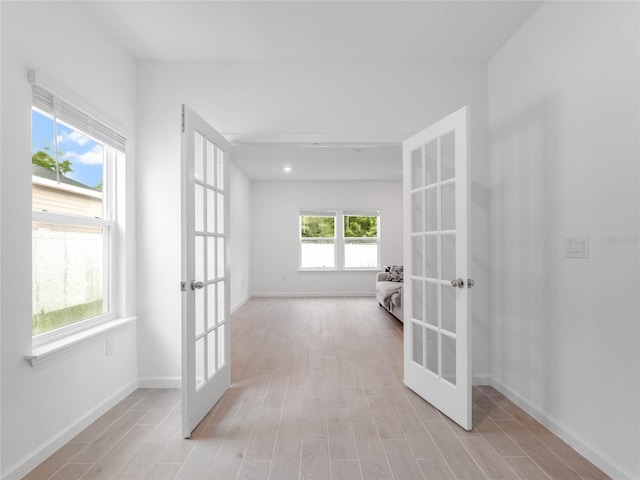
(287, 169)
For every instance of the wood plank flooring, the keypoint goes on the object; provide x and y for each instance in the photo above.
(316, 393)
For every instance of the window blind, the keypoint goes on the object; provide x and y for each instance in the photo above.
(46, 101)
(317, 213)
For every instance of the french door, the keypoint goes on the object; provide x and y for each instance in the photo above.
(206, 368)
(437, 336)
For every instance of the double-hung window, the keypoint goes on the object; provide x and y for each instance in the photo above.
(317, 240)
(339, 239)
(73, 161)
(361, 240)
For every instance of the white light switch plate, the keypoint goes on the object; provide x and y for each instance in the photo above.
(576, 247)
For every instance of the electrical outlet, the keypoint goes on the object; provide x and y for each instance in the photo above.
(576, 247)
(109, 346)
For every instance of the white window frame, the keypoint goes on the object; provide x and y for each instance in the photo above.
(50, 104)
(339, 238)
(360, 213)
(319, 213)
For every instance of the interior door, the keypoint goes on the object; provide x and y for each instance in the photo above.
(206, 362)
(437, 340)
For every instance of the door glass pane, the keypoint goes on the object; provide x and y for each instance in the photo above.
(211, 210)
(432, 256)
(220, 213)
(448, 149)
(199, 299)
(197, 156)
(220, 300)
(416, 169)
(220, 169)
(449, 207)
(449, 308)
(448, 257)
(431, 206)
(221, 265)
(212, 290)
(199, 259)
(417, 296)
(418, 343)
(431, 162)
(431, 346)
(417, 255)
(199, 370)
(211, 353)
(211, 258)
(211, 164)
(416, 211)
(449, 359)
(221, 343)
(432, 304)
(199, 208)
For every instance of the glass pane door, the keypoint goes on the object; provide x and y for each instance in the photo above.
(436, 337)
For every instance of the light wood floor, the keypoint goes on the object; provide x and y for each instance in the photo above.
(316, 394)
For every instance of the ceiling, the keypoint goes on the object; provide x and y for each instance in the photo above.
(363, 31)
(313, 32)
(319, 162)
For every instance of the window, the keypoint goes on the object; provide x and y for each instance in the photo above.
(360, 240)
(339, 239)
(73, 215)
(317, 240)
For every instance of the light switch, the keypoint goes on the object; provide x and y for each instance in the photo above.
(576, 247)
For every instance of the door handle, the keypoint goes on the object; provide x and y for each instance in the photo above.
(458, 282)
(197, 285)
(470, 282)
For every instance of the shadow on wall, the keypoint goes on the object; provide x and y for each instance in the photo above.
(525, 222)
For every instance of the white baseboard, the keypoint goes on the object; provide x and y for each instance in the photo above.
(246, 299)
(583, 447)
(482, 379)
(160, 382)
(313, 294)
(42, 452)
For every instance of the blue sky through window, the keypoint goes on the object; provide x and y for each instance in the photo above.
(85, 154)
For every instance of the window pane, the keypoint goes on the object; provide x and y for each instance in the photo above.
(67, 280)
(317, 253)
(220, 169)
(361, 252)
(317, 227)
(221, 343)
(69, 181)
(359, 226)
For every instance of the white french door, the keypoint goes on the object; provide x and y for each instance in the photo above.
(206, 362)
(437, 335)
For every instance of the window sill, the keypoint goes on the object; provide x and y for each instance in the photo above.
(370, 269)
(340, 269)
(51, 349)
(318, 270)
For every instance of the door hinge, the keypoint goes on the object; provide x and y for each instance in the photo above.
(182, 118)
(183, 286)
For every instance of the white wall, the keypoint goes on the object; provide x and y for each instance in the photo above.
(564, 103)
(276, 102)
(275, 251)
(158, 192)
(43, 406)
(240, 235)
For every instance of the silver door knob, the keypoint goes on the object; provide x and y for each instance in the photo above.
(197, 285)
(470, 282)
(458, 282)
